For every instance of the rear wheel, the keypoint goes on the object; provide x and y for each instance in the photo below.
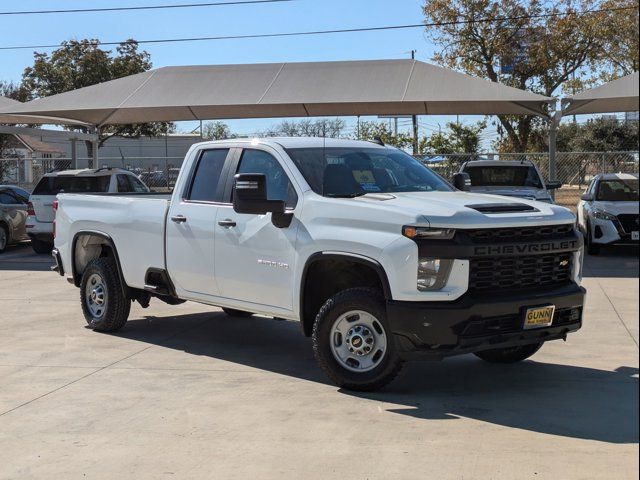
(352, 341)
(509, 355)
(232, 312)
(41, 246)
(4, 238)
(104, 304)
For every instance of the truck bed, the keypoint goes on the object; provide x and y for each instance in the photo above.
(134, 220)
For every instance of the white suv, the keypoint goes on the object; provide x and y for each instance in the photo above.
(40, 212)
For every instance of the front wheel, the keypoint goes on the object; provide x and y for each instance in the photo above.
(352, 341)
(592, 248)
(4, 238)
(509, 355)
(104, 304)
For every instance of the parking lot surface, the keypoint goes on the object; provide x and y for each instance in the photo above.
(187, 392)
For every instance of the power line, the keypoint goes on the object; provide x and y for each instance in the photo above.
(142, 7)
(334, 31)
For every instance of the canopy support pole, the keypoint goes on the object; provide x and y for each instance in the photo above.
(74, 154)
(96, 143)
(554, 122)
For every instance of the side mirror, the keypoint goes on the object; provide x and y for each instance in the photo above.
(250, 197)
(587, 197)
(554, 185)
(462, 181)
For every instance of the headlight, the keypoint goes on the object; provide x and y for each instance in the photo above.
(433, 273)
(428, 233)
(602, 215)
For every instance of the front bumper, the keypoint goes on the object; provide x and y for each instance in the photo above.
(610, 232)
(440, 329)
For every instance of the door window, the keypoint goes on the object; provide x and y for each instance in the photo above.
(206, 178)
(123, 184)
(279, 186)
(7, 198)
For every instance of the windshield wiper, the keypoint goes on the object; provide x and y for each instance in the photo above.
(345, 195)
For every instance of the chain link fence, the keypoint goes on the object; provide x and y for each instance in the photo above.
(574, 169)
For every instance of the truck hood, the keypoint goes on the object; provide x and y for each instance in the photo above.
(456, 209)
(520, 192)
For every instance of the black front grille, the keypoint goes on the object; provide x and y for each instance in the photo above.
(514, 323)
(506, 274)
(629, 222)
(533, 233)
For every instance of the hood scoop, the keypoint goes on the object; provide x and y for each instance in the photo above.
(502, 207)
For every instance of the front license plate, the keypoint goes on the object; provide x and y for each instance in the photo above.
(635, 235)
(539, 317)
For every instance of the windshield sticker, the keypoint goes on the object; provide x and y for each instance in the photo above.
(366, 180)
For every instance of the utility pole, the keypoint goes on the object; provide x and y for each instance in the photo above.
(414, 118)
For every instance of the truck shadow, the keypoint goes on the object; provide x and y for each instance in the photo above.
(564, 400)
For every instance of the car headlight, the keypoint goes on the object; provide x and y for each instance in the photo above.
(433, 273)
(602, 215)
(428, 233)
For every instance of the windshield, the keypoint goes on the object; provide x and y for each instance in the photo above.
(618, 191)
(351, 172)
(69, 184)
(504, 176)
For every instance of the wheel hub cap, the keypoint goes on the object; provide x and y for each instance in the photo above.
(358, 341)
(96, 295)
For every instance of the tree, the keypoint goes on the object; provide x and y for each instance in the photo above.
(81, 63)
(619, 56)
(458, 139)
(8, 90)
(370, 130)
(529, 44)
(321, 127)
(217, 131)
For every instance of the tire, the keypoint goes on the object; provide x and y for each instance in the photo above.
(4, 238)
(592, 248)
(336, 312)
(232, 312)
(101, 278)
(509, 355)
(40, 246)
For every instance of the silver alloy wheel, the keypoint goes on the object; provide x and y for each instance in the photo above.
(96, 295)
(358, 341)
(3, 238)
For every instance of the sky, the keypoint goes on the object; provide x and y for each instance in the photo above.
(297, 15)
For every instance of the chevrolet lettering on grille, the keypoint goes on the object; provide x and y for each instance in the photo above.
(526, 248)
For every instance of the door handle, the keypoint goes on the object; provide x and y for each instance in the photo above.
(228, 223)
(179, 219)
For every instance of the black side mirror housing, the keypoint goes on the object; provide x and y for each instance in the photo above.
(554, 185)
(250, 197)
(462, 181)
(587, 197)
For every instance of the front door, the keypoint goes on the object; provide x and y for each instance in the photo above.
(255, 259)
(191, 226)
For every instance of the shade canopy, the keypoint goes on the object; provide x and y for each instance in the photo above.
(382, 87)
(617, 96)
(8, 104)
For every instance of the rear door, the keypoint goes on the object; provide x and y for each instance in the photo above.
(191, 225)
(13, 211)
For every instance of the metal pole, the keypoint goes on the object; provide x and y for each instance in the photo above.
(554, 120)
(414, 119)
(74, 154)
(96, 143)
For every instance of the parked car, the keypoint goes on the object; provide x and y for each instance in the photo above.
(379, 258)
(13, 215)
(520, 179)
(608, 211)
(40, 213)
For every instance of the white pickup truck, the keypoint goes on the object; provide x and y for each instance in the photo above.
(379, 258)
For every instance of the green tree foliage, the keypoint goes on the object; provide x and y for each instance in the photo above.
(458, 138)
(217, 131)
(81, 63)
(596, 135)
(547, 44)
(370, 130)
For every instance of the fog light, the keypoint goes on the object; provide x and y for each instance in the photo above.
(433, 273)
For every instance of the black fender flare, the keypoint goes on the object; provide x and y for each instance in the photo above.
(77, 278)
(318, 256)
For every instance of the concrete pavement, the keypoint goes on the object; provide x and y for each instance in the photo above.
(187, 392)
